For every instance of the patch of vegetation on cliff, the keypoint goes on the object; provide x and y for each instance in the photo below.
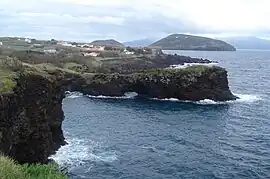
(7, 80)
(9, 169)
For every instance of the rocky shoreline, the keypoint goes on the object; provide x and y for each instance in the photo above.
(31, 114)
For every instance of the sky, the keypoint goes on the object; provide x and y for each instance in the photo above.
(125, 20)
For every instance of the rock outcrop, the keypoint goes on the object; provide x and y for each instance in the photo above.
(31, 116)
(193, 83)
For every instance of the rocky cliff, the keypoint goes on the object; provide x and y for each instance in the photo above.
(31, 116)
(193, 83)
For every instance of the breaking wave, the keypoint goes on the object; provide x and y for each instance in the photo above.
(79, 151)
(128, 95)
(243, 98)
(73, 95)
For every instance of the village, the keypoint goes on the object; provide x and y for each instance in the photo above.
(83, 49)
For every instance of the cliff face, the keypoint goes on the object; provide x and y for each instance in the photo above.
(193, 83)
(31, 119)
(31, 116)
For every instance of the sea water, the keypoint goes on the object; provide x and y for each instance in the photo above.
(133, 138)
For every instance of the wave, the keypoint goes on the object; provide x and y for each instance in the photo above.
(78, 152)
(248, 98)
(128, 95)
(73, 95)
(243, 98)
(192, 64)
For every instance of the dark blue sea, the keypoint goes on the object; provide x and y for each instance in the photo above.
(129, 138)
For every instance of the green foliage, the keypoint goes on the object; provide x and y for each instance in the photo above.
(39, 171)
(9, 169)
(7, 85)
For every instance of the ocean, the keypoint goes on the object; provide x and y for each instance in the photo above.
(130, 138)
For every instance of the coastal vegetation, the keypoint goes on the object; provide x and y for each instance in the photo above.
(10, 169)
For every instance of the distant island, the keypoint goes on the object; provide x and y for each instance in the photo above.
(190, 42)
(109, 42)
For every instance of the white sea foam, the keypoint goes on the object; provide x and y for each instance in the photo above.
(192, 64)
(248, 98)
(128, 95)
(243, 98)
(78, 151)
(73, 95)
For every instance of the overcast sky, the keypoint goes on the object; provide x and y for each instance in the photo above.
(123, 20)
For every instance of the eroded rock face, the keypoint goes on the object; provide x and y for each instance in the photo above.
(191, 84)
(31, 120)
(31, 117)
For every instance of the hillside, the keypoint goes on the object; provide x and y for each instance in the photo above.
(109, 42)
(190, 42)
(248, 42)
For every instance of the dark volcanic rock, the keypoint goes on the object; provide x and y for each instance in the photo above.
(193, 83)
(31, 119)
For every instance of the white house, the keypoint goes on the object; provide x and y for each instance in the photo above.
(1, 43)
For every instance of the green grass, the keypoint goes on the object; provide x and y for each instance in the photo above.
(7, 80)
(9, 169)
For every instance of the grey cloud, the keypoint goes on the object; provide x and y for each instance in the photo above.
(66, 22)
